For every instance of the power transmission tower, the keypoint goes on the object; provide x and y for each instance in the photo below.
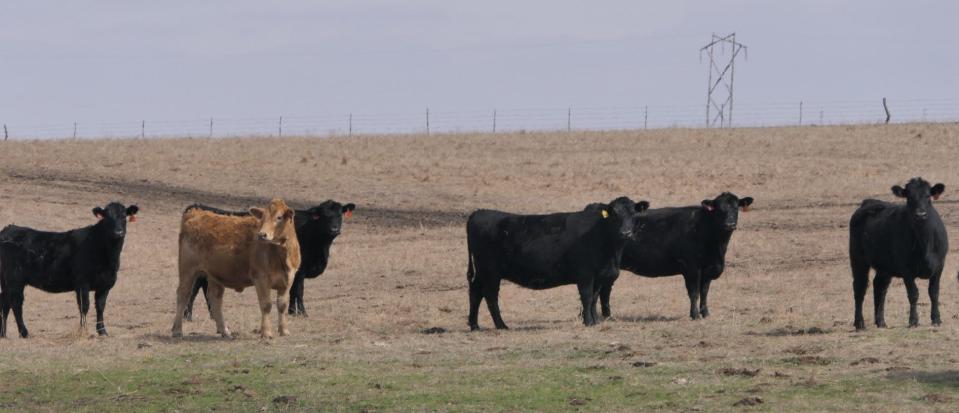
(722, 73)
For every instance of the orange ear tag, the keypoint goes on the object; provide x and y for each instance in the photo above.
(133, 218)
(348, 213)
(746, 208)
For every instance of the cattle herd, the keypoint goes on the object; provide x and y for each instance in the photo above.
(276, 248)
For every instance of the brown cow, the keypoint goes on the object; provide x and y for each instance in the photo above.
(259, 250)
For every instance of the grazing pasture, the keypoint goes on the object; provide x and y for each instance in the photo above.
(387, 328)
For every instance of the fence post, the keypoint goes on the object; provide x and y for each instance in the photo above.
(820, 116)
(143, 128)
(350, 125)
(74, 130)
(800, 113)
(5, 135)
(646, 117)
(886, 108)
(211, 127)
(494, 120)
(279, 128)
(427, 121)
(569, 120)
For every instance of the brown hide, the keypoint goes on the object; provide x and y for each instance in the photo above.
(236, 252)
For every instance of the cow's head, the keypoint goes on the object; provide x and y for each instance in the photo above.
(919, 196)
(622, 213)
(113, 218)
(327, 218)
(723, 210)
(276, 222)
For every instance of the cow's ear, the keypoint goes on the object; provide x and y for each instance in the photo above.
(98, 212)
(348, 208)
(132, 210)
(642, 206)
(936, 190)
(899, 191)
(744, 203)
(288, 214)
(708, 205)
(257, 213)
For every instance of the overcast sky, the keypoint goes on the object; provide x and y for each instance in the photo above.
(128, 60)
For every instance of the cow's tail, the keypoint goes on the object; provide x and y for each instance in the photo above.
(470, 269)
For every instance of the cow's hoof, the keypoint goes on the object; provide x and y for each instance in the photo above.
(880, 324)
(704, 313)
(177, 334)
(913, 324)
(859, 325)
(502, 327)
(102, 333)
(474, 327)
(284, 332)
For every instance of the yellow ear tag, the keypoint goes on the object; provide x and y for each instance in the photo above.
(604, 214)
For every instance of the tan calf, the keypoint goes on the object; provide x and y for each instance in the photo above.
(260, 250)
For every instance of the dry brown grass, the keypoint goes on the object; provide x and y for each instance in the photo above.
(399, 267)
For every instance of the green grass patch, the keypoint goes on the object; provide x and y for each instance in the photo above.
(532, 381)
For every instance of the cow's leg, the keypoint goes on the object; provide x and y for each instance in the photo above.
(183, 292)
(282, 303)
(476, 297)
(860, 282)
(594, 301)
(491, 294)
(296, 297)
(4, 313)
(586, 298)
(214, 294)
(15, 299)
(83, 302)
(934, 297)
(100, 301)
(199, 284)
(913, 293)
(880, 284)
(703, 294)
(266, 305)
(300, 305)
(692, 278)
(604, 293)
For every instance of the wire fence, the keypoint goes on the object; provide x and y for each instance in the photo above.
(571, 118)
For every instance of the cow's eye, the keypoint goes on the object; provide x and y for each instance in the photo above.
(279, 218)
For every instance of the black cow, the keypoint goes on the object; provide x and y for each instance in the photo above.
(907, 241)
(688, 240)
(79, 260)
(546, 251)
(316, 228)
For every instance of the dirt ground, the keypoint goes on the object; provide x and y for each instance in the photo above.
(779, 337)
